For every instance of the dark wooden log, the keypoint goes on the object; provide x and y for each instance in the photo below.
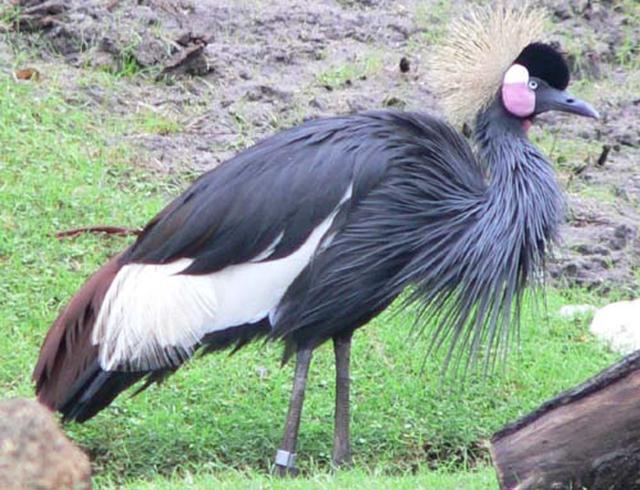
(587, 437)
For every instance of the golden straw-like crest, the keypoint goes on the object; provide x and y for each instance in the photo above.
(467, 70)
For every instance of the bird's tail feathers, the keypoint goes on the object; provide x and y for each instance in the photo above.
(68, 375)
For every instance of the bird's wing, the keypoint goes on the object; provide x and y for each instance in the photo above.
(404, 231)
(224, 253)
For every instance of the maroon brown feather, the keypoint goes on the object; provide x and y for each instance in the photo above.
(67, 350)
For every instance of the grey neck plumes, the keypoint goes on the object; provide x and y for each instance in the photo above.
(504, 249)
(479, 250)
(523, 191)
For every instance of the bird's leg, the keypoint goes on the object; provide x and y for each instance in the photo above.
(341, 445)
(286, 455)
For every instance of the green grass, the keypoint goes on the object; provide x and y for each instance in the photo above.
(603, 194)
(151, 121)
(9, 14)
(627, 49)
(218, 421)
(431, 20)
(568, 155)
(347, 73)
(481, 479)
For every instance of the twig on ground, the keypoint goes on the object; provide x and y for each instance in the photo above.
(107, 230)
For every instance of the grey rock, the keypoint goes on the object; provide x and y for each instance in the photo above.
(150, 52)
(622, 235)
(35, 454)
(265, 92)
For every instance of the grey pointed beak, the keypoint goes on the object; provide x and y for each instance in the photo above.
(552, 99)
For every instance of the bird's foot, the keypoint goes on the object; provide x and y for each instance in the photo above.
(285, 463)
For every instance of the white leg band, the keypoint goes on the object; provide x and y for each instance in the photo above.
(285, 458)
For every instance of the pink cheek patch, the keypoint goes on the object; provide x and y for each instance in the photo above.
(519, 99)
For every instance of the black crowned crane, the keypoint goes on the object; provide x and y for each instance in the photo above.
(309, 234)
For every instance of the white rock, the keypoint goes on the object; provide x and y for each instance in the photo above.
(618, 325)
(573, 311)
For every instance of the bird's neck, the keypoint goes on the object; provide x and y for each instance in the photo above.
(523, 195)
(473, 267)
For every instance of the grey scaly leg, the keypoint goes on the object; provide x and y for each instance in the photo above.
(286, 455)
(341, 445)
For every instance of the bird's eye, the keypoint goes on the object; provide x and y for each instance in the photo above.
(533, 84)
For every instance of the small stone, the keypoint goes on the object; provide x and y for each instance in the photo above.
(405, 65)
(190, 60)
(149, 52)
(318, 104)
(267, 93)
(591, 249)
(102, 60)
(27, 74)
(622, 235)
(393, 101)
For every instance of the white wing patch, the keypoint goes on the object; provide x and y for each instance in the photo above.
(268, 252)
(152, 310)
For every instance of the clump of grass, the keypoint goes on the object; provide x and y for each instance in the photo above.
(601, 194)
(431, 21)
(156, 122)
(348, 73)
(127, 66)
(9, 14)
(627, 52)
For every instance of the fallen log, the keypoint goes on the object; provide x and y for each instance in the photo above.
(585, 438)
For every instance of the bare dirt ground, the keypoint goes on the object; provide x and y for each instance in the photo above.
(225, 74)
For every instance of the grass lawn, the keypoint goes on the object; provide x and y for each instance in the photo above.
(217, 422)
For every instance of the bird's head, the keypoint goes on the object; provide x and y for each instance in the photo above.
(536, 83)
(494, 55)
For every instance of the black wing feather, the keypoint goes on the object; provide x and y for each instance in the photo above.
(281, 188)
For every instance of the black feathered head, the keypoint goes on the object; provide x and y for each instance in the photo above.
(544, 62)
(536, 83)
